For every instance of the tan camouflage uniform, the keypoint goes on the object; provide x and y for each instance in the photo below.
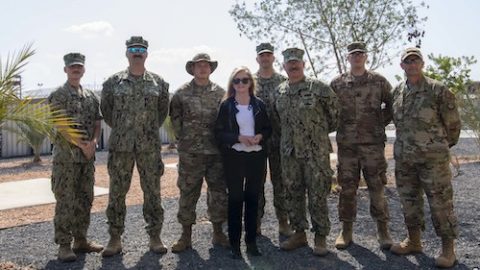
(193, 111)
(72, 173)
(266, 91)
(307, 111)
(427, 122)
(135, 108)
(365, 110)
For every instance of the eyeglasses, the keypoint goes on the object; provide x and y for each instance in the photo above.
(412, 61)
(242, 80)
(136, 50)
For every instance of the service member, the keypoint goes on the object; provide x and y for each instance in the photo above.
(135, 104)
(73, 161)
(428, 124)
(307, 110)
(365, 109)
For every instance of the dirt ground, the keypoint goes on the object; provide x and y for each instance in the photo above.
(21, 169)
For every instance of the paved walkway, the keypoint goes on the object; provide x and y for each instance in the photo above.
(31, 192)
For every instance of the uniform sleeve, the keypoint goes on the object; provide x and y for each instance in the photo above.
(176, 114)
(450, 116)
(56, 101)
(96, 100)
(267, 127)
(163, 103)
(387, 99)
(106, 104)
(331, 109)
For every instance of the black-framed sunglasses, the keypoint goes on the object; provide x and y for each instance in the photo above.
(242, 80)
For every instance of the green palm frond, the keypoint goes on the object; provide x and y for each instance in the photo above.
(38, 116)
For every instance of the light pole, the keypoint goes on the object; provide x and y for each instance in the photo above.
(17, 82)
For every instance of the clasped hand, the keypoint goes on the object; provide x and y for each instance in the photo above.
(250, 140)
(88, 148)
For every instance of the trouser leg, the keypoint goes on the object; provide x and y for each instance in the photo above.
(120, 168)
(255, 165)
(150, 168)
(191, 170)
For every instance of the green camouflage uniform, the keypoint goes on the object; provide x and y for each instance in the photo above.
(427, 122)
(193, 111)
(72, 173)
(267, 91)
(365, 109)
(307, 111)
(135, 108)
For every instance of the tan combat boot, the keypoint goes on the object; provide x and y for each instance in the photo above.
(447, 258)
(219, 238)
(411, 244)
(114, 246)
(81, 245)
(298, 239)
(283, 227)
(65, 253)
(383, 236)
(320, 248)
(185, 240)
(156, 244)
(344, 239)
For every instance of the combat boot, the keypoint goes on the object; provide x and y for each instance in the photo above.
(447, 258)
(156, 244)
(81, 245)
(344, 239)
(114, 246)
(65, 253)
(283, 227)
(320, 248)
(411, 244)
(185, 240)
(219, 238)
(383, 236)
(298, 239)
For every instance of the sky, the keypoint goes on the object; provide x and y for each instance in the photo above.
(176, 31)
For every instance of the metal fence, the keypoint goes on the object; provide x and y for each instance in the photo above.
(11, 146)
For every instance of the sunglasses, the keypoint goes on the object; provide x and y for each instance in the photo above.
(412, 61)
(242, 80)
(136, 50)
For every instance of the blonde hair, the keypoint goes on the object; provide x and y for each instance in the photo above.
(231, 91)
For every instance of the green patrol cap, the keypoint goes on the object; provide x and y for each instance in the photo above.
(71, 59)
(357, 46)
(411, 51)
(291, 54)
(264, 47)
(136, 41)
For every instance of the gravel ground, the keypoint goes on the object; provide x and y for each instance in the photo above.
(32, 245)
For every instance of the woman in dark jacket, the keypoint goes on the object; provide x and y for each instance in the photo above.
(241, 128)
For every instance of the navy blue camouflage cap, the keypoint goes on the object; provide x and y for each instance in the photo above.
(291, 54)
(199, 58)
(356, 46)
(264, 48)
(411, 51)
(71, 59)
(136, 41)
